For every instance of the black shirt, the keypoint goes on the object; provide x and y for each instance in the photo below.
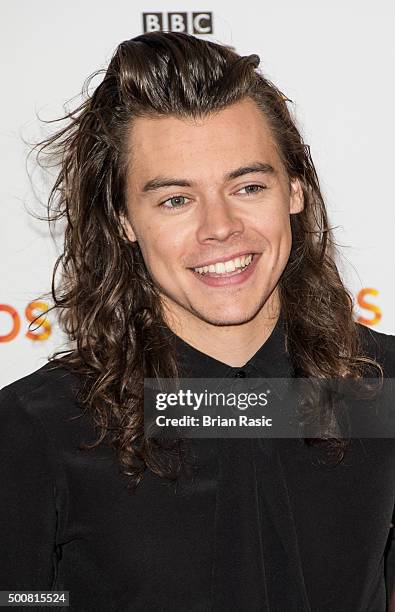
(264, 527)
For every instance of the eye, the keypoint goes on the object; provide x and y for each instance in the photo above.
(251, 189)
(174, 202)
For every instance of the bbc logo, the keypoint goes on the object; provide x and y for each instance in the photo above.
(192, 23)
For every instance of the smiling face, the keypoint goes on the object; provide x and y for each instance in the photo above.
(206, 191)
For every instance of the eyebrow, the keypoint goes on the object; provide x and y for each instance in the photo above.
(159, 181)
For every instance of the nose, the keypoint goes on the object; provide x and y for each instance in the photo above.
(217, 221)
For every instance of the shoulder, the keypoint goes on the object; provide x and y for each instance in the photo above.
(379, 346)
(49, 375)
(50, 390)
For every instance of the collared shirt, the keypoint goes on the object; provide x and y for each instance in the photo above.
(265, 526)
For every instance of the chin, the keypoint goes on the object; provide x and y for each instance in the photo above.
(223, 319)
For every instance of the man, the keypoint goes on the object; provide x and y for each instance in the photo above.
(197, 244)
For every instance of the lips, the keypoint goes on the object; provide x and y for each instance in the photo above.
(231, 278)
(222, 259)
(228, 267)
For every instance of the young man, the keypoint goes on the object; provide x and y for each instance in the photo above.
(197, 245)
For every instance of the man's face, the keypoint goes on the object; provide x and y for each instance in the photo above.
(207, 191)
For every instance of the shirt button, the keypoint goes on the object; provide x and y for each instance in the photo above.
(240, 374)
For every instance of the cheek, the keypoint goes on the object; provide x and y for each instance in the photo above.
(161, 249)
(277, 231)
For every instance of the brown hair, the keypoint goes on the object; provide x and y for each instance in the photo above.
(107, 302)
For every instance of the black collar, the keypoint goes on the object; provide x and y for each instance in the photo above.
(270, 360)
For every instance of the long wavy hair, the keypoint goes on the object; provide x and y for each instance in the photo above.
(106, 301)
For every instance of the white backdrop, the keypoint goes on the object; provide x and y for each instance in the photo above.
(335, 60)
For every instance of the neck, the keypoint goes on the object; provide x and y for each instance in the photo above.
(215, 340)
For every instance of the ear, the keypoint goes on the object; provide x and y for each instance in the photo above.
(296, 197)
(127, 226)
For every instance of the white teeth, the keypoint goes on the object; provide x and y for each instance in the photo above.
(227, 266)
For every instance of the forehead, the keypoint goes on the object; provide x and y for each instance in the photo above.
(227, 138)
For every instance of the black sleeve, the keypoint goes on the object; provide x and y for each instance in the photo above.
(389, 369)
(27, 499)
(382, 347)
(390, 564)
